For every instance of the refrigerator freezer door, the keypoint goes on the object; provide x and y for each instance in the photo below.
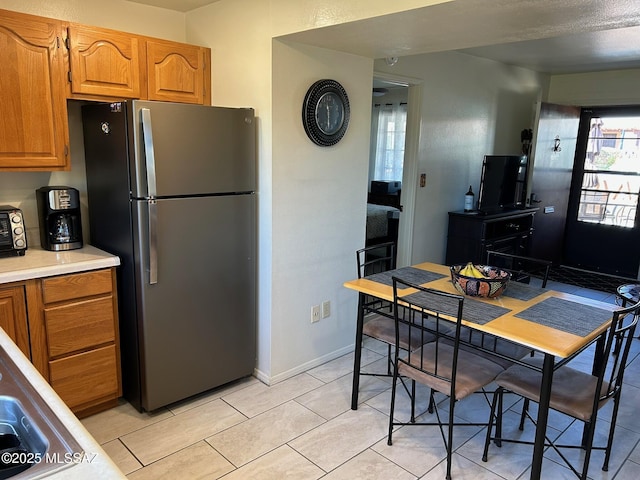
(196, 149)
(198, 320)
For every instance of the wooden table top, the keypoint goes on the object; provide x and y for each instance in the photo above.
(593, 316)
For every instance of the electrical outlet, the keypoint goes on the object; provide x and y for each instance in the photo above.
(326, 308)
(315, 313)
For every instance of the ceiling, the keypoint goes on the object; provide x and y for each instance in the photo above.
(551, 36)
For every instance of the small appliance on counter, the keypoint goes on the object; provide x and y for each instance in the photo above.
(13, 237)
(59, 214)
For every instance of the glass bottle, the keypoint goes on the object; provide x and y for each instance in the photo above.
(469, 200)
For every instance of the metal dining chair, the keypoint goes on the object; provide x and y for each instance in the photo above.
(574, 393)
(521, 268)
(378, 322)
(439, 364)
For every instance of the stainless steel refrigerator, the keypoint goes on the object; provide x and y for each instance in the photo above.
(171, 191)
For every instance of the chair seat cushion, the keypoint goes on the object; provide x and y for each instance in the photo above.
(572, 391)
(383, 328)
(473, 371)
(489, 342)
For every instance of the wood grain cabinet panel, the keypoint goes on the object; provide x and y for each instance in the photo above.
(33, 110)
(177, 72)
(45, 61)
(13, 316)
(85, 378)
(79, 326)
(77, 285)
(73, 321)
(104, 62)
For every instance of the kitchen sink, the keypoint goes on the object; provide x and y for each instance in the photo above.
(33, 442)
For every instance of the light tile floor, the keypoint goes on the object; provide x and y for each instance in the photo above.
(303, 428)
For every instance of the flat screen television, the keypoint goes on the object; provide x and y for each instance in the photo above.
(503, 183)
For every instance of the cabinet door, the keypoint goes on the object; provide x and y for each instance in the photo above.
(13, 316)
(104, 62)
(86, 378)
(178, 72)
(33, 109)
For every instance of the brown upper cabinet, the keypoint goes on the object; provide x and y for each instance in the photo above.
(46, 61)
(103, 62)
(109, 63)
(177, 72)
(33, 110)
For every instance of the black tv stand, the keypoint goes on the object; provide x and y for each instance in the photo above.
(472, 234)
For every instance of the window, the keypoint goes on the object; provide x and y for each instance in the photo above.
(611, 178)
(388, 129)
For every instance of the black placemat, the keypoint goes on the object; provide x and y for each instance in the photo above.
(472, 310)
(522, 291)
(481, 312)
(410, 274)
(567, 316)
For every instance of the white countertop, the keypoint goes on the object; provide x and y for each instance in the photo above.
(101, 466)
(38, 263)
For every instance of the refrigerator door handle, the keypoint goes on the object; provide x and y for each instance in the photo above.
(153, 241)
(150, 158)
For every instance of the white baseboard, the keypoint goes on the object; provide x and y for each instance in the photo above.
(272, 380)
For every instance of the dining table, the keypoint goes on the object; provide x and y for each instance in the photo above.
(558, 325)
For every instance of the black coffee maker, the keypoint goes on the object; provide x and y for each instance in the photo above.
(59, 212)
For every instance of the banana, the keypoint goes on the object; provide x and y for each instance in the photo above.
(470, 270)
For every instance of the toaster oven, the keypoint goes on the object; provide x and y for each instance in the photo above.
(13, 237)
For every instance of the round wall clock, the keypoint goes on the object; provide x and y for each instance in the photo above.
(325, 112)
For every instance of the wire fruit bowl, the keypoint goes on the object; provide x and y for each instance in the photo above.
(492, 284)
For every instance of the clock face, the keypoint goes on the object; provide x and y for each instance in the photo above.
(329, 113)
(325, 112)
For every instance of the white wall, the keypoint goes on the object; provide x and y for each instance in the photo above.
(470, 107)
(114, 14)
(311, 199)
(239, 35)
(319, 197)
(615, 87)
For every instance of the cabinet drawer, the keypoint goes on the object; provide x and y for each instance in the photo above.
(85, 377)
(79, 326)
(77, 285)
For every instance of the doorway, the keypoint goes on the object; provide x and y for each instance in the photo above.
(412, 94)
(603, 231)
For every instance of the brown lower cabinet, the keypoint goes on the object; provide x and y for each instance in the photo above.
(13, 316)
(73, 335)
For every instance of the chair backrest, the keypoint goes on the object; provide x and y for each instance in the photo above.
(616, 351)
(376, 258)
(522, 268)
(422, 312)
